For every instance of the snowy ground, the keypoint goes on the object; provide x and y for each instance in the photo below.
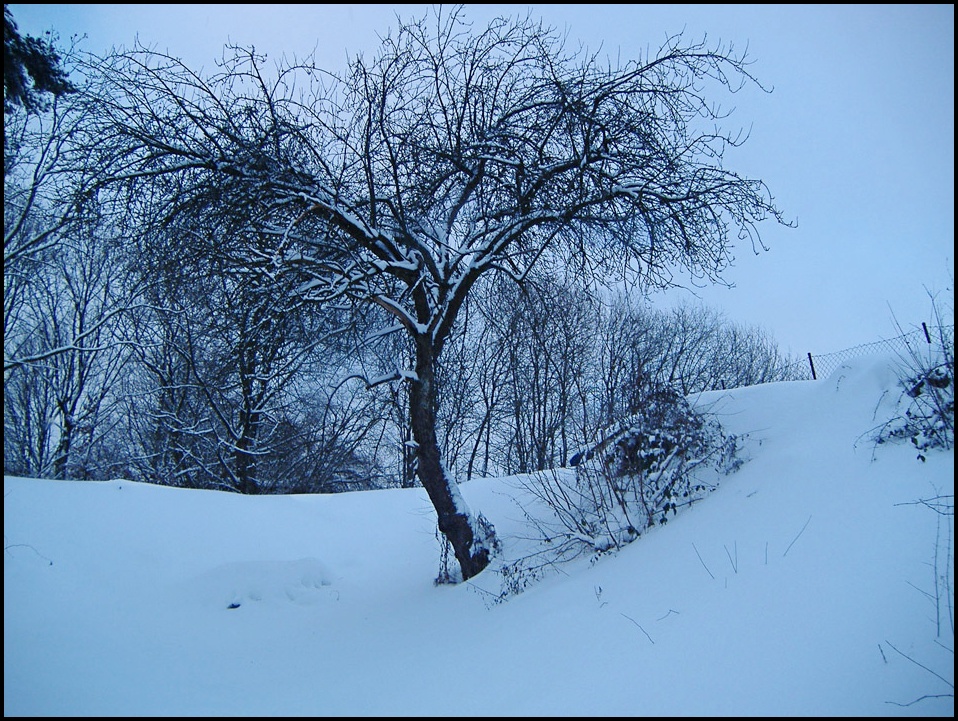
(809, 583)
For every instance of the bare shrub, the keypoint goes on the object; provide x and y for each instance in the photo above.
(638, 475)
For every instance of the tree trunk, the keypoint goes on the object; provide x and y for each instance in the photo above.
(472, 539)
(250, 419)
(61, 456)
(244, 462)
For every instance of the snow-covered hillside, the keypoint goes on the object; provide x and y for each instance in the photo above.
(813, 581)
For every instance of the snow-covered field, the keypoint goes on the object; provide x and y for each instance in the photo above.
(812, 582)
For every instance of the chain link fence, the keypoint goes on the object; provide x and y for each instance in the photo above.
(822, 366)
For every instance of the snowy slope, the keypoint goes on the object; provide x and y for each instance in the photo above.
(804, 585)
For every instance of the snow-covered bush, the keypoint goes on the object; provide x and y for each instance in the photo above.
(644, 468)
(927, 375)
(638, 475)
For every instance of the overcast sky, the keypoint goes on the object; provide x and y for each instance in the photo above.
(856, 141)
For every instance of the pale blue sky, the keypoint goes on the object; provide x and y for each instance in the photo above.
(856, 142)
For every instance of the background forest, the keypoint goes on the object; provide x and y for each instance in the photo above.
(169, 352)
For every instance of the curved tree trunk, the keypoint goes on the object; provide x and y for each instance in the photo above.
(472, 539)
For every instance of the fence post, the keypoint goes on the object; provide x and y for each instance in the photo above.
(814, 377)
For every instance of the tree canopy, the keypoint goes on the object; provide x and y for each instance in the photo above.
(452, 156)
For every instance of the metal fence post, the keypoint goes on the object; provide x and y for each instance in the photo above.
(814, 377)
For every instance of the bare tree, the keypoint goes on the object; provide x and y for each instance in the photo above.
(492, 362)
(545, 334)
(449, 156)
(39, 190)
(627, 342)
(58, 406)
